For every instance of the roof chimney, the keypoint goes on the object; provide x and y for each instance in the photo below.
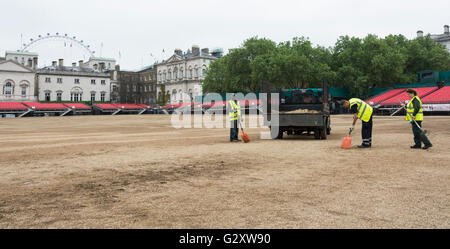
(54, 63)
(80, 63)
(419, 33)
(195, 50)
(35, 63)
(74, 64)
(178, 52)
(102, 66)
(117, 67)
(61, 62)
(446, 30)
(205, 51)
(95, 67)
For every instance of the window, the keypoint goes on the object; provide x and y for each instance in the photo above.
(47, 96)
(134, 88)
(102, 97)
(8, 89)
(59, 96)
(48, 80)
(74, 97)
(92, 82)
(196, 72)
(24, 91)
(77, 81)
(203, 72)
(92, 97)
(115, 89)
(59, 80)
(23, 61)
(190, 73)
(103, 82)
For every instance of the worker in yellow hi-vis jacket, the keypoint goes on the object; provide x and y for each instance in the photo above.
(234, 112)
(414, 114)
(361, 110)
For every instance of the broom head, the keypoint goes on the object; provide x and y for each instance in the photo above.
(346, 142)
(245, 137)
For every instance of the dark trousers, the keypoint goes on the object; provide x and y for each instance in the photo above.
(418, 139)
(366, 132)
(234, 130)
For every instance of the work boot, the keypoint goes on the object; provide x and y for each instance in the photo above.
(415, 147)
(427, 146)
(363, 146)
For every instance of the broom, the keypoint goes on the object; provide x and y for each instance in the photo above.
(244, 135)
(423, 133)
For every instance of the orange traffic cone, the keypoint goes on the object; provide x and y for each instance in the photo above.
(347, 141)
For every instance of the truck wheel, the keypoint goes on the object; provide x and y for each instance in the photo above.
(317, 133)
(323, 133)
(278, 135)
(328, 126)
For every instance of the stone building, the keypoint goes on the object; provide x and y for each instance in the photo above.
(137, 87)
(443, 38)
(182, 74)
(17, 76)
(73, 83)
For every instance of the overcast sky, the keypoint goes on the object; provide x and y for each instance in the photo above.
(139, 28)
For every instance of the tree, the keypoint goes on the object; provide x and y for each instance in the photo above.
(163, 97)
(358, 64)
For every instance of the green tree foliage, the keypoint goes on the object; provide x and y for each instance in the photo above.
(164, 97)
(358, 64)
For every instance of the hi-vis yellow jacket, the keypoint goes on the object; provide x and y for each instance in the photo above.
(235, 110)
(410, 110)
(364, 109)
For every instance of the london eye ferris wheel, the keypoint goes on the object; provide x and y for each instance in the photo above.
(52, 47)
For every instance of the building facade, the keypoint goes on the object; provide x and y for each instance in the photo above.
(443, 38)
(136, 87)
(182, 74)
(73, 83)
(95, 63)
(17, 76)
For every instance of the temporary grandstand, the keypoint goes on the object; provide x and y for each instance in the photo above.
(115, 109)
(434, 98)
(22, 109)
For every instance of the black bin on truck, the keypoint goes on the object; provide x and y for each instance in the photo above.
(301, 111)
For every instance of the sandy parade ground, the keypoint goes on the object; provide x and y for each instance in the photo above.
(137, 171)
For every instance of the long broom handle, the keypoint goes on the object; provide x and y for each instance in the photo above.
(399, 109)
(412, 119)
(240, 124)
